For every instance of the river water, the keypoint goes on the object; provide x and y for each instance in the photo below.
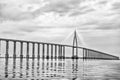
(59, 69)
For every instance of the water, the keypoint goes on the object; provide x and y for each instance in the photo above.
(66, 69)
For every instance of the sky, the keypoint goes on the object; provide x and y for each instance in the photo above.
(97, 22)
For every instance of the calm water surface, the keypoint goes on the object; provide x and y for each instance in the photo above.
(52, 69)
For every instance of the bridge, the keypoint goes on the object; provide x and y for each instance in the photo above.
(11, 48)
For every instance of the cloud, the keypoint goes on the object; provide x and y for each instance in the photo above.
(18, 10)
(15, 29)
(103, 2)
(12, 33)
(28, 9)
(80, 12)
(107, 23)
(21, 10)
(9, 12)
(28, 29)
(96, 13)
(59, 7)
(116, 7)
(112, 25)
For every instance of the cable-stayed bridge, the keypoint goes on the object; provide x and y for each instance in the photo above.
(11, 48)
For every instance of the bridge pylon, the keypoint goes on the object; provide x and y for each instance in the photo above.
(75, 46)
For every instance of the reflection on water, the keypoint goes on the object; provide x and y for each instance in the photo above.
(14, 68)
(33, 62)
(75, 68)
(6, 68)
(27, 68)
(48, 69)
(21, 66)
(38, 67)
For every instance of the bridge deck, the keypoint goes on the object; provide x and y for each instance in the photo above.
(51, 50)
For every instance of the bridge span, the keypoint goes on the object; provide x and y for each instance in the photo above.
(11, 48)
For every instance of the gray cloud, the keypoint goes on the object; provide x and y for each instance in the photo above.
(18, 29)
(59, 6)
(12, 33)
(67, 7)
(11, 11)
(111, 24)
(103, 2)
(71, 7)
(80, 12)
(106, 24)
(116, 7)
(15, 12)
(28, 30)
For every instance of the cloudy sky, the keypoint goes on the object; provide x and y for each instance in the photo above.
(97, 22)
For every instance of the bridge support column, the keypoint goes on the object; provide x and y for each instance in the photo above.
(43, 51)
(59, 52)
(83, 55)
(14, 49)
(73, 52)
(21, 50)
(38, 51)
(77, 52)
(51, 51)
(63, 52)
(33, 50)
(55, 51)
(47, 51)
(7, 49)
(27, 55)
(89, 57)
(86, 54)
(0, 47)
